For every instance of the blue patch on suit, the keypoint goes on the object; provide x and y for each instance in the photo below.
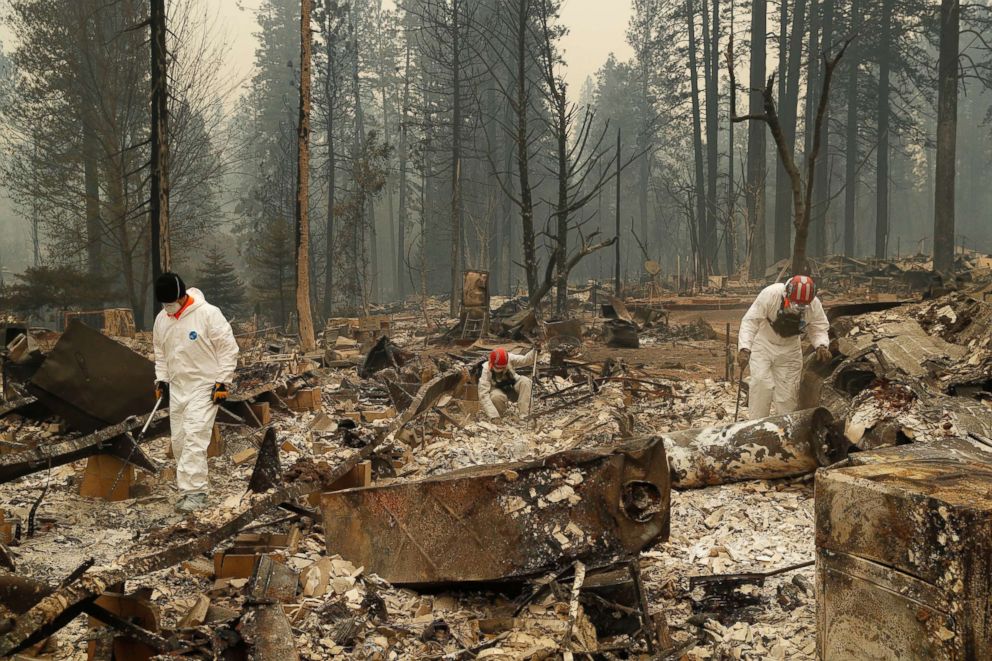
(192, 335)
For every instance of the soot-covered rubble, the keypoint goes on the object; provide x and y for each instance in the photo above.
(325, 415)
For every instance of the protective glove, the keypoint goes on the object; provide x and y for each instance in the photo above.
(219, 393)
(161, 389)
(823, 354)
(743, 358)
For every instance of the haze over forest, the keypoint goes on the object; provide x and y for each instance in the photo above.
(453, 134)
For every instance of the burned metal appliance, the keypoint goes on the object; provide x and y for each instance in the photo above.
(506, 521)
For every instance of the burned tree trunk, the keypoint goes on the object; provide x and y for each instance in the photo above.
(331, 93)
(307, 339)
(851, 153)
(771, 448)
(159, 203)
(404, 195)
(730, 233)
(711, 53)
(821, 184)
(756, 148)
(788, 105)
(456, 155)
(521, 103)
(947, 124)
(882, 169)
(561, 210)
(702, 265)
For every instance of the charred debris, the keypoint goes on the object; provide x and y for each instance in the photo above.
(363, 507)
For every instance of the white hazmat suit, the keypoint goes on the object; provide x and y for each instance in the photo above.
(776, 361)
(192, 353)
(497, 390)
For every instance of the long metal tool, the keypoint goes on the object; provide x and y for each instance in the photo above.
(737, 409)
(135, 441)
(533, 386)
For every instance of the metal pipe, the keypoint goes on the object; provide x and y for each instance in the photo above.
(771, 448)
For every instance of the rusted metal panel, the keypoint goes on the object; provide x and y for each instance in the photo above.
(93, 381)
(905, 559)
(776, 447)
(272, 635)
(869, 611)
(272, 581)
(507, 520)
(431, 392)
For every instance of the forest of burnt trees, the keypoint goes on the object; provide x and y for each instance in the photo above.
(442, 135)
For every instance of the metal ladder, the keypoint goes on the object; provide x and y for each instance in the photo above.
(474, 326)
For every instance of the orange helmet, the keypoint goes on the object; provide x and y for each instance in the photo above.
(800, 290)
(498, 359)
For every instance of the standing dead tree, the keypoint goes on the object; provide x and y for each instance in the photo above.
(575, 164)
(303, 311)
(801, 194)
(159, 200)
(506, 47)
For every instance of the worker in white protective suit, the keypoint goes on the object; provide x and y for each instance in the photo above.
(500, 384)
(195, 358)
(770, 342)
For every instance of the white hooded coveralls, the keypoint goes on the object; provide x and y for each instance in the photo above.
(776, 361)
(494, 401)
(192, 353)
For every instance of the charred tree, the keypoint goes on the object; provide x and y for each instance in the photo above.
(756, 142)
(307, 338)
(884, 111)
(404, 216)
(578, 151)
(522, 139)
(947, 124)
(457, 211)
(801, 191)
(788, 105)
(851, 151)
(702, 263)
(711, 54)
(730, 235)
(159, 202)
(330, 94)
(821, 183)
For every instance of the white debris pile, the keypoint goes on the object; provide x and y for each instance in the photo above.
(342, 611)
(746, 527)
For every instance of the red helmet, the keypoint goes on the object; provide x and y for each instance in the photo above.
(800, 290)
(498, 358)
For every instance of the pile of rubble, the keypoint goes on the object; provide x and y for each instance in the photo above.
(361, 507)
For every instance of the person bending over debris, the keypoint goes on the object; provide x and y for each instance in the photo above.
(770, 341)
(500, 384)
(195, 358)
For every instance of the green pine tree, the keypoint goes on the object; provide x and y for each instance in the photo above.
(219, 282)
